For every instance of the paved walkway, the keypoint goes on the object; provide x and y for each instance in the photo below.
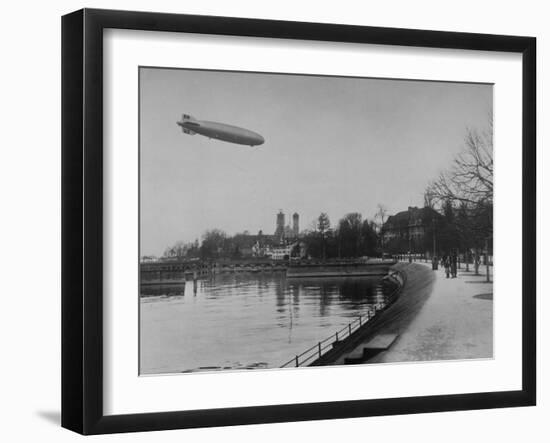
(455, 322)
(396, 318)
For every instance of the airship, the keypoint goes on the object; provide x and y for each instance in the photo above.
(219, 131)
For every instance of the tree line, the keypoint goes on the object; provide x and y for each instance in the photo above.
(352, 237)
(215, 243)
(463, 194)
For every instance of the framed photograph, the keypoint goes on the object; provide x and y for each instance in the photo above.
(269, 221)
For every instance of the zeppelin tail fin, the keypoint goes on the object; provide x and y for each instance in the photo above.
(187, 121)
(187, 118)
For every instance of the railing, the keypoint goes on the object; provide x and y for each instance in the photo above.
(317, 350)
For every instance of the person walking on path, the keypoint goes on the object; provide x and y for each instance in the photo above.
(454, 260)
(434, 263)
(447, 265)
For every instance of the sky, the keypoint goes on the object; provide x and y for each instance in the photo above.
(332, 144)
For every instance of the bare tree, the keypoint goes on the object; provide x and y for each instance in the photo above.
(468, 186)
(323, 228)
(428, 199)
(380, 216)
(470, 178)
(350, 235)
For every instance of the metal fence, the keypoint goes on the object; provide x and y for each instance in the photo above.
(317, 350)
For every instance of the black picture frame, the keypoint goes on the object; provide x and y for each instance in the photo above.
(82, 220)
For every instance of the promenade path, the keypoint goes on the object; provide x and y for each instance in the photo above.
(434, 318)
(455, 322)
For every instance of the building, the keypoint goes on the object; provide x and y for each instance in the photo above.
(275, 246)
(285, 233)
(295, 224)
(280, 252)
(149, 259)
(413, 230)
(248, 245)
(280, 226)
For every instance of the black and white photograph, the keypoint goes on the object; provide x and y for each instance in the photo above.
(290, 221)
(275, 222)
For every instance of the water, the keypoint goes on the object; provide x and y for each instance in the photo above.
(245, 321)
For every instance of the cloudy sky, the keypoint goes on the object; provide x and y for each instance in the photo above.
(332, 144)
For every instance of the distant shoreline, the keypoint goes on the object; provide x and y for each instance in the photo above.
(161, 273)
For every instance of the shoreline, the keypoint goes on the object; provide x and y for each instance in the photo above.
(416, 288)
(434, 319)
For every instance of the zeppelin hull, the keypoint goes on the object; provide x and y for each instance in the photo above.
(221, 131)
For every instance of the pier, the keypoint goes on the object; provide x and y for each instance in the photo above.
(162, 273)
(158, 273)
(177, 272)
(340, 268)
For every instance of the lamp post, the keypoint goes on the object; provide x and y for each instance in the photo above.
(410, 256)
(433, 236)
(487, 259)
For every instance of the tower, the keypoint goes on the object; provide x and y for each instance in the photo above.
(295, 224)
(280, 225)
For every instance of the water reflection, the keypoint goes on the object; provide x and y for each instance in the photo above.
(251, 321)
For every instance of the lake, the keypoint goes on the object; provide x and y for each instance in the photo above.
(245, 321)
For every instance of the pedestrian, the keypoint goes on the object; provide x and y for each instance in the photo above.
(447, 265)
(454, 260)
